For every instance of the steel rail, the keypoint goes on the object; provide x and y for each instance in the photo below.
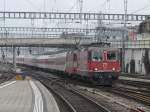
(133, 95)
(135, 83)
(68, 105)
(77, 94)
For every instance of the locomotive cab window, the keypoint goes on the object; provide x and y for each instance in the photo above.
(96, 56)
(111, 55)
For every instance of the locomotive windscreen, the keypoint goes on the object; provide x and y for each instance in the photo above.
(112, 55)
(95, 55)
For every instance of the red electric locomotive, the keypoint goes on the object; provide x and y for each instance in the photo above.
(98, 65)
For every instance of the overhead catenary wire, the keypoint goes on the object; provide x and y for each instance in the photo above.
(73, 6)
(32, 20)
(33, 5)
(100, 5)
(141, 9)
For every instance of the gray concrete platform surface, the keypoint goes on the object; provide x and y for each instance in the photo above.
(26, 96)
(16, 97)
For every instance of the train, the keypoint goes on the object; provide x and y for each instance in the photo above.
(101, 66)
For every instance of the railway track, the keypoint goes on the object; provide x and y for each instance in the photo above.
(130, 94)
(4, 78)
(139, 96)
(135, 83)
(76, 104)
(74, 100)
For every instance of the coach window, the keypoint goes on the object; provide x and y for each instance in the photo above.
(74, 57)
(89, 55)
(111, 55)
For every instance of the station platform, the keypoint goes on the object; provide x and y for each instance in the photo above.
(26, 96)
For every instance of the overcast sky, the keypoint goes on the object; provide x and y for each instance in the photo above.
(116, 6)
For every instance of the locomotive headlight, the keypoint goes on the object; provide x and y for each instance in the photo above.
(113, 69)
(95, 69)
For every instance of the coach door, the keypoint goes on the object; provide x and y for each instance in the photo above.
(75, 62)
